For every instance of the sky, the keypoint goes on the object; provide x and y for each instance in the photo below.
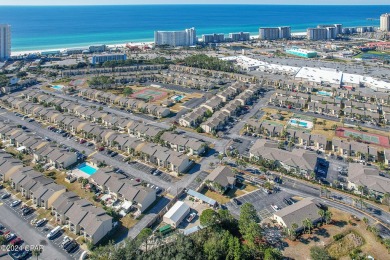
(131, 2)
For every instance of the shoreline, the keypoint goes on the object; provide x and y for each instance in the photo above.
(118, 45)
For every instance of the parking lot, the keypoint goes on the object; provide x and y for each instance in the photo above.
(241, 145)
(152, 170)
(261, 201)
(44, 229)
(198, 180)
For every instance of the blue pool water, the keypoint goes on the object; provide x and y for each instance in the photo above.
(302, 124)
(86, 169)
(324, 93)
(57, 87)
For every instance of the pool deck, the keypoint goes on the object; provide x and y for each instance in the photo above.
(78, 173)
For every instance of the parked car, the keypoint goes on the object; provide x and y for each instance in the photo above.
(15, 203)
(5, 195)
(16, 241)
(40, 222)
(26, 211)
(9, 237)
(191, 217)
(72, 246)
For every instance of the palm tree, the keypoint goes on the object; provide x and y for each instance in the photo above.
(36, 252)
(328, 216)
(386, 199)
(361, 190)
(365, 220)
(307, 224)
(314, 122)
(321, 212)
(294, 228)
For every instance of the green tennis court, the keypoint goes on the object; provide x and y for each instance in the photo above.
(149, 94)
(364, 137)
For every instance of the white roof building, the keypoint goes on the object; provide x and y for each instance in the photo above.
(176, 214)
(320, 75)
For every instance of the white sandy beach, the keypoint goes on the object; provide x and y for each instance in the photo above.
(119, 45)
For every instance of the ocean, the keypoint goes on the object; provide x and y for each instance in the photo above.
(52, 27)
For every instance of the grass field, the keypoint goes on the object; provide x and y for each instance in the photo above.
(300, 249)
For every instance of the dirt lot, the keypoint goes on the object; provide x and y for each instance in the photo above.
(300, 249)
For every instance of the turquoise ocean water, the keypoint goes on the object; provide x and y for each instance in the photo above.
(44, 27)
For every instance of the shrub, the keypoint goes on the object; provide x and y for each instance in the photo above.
(338, 237)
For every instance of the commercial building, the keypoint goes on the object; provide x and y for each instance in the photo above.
(108, 57)
(301, 52)
(274, 33)
(241, 36)
(98, 48)
(213, 38)
(297, 213)
(5, 41)
(385, 22)
(176, 214)
(186, 37)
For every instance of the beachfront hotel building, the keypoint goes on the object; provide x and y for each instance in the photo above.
(5, 41)
(213, 38)
(186, 37)
(108, 57)
(274, 33)
(318, 34)
(241, 36)
(385, 22)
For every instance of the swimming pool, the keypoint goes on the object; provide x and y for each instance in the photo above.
(177, 98)
(84, 167)
(324, 93)
(57, 87)
(295, 122)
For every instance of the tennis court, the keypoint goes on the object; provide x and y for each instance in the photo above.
(149, 94)
(365, 137)
(77, 82)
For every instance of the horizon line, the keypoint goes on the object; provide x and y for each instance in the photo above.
(21, 5)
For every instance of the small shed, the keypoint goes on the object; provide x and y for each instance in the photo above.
(176, 214)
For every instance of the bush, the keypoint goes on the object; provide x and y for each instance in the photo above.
(338, 237)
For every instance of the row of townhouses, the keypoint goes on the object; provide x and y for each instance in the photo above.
(131, 139)
(339, 146)
(78, 215)
(127, 103)
(332, 106)
(43, 152)
(124, 189)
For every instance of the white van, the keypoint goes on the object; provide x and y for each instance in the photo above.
(53, 232)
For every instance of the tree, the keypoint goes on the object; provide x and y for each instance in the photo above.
(36, 252)
(307, 224)
(319, 253)
(386, 242)
(143, 237)
(321, 212)
(365, 220)
(128, 91)
(272, 254)
(209, 218)
(2, 240)
(328, 216)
